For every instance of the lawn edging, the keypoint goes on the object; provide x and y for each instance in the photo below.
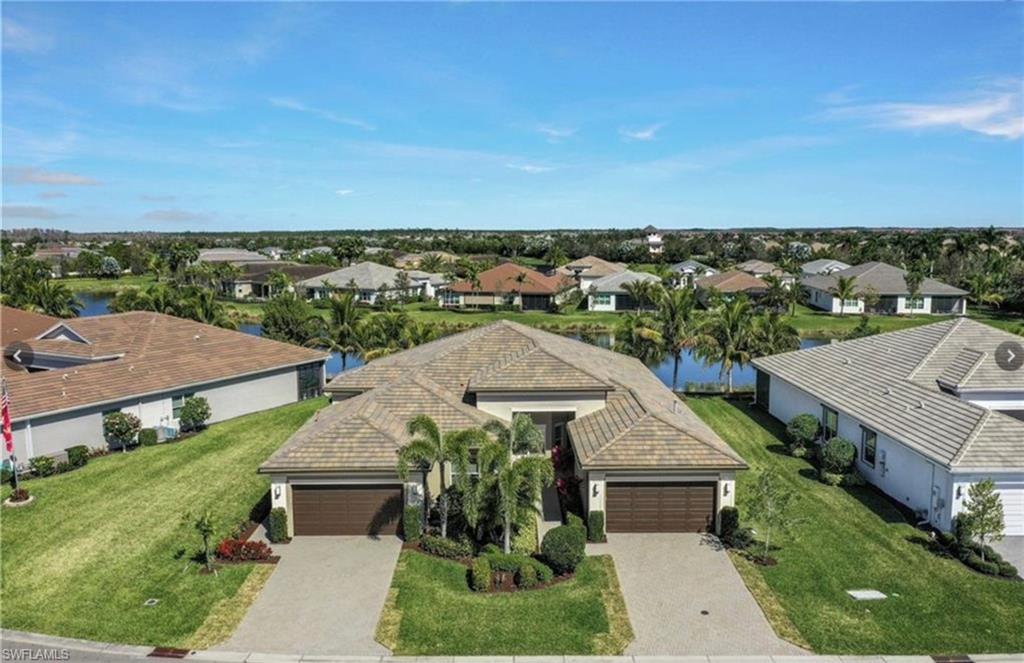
(225, 616)
(766, 599)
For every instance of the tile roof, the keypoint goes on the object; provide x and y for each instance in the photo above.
(616, 282)
(882, 278)
(757, 267)
(260, 272)
(733, 281)
(503, 279)
(367, 275)
(643, 426)
(592, 267)
(890, 382)
(692, 265)
(823, 265)
(230, 255)
(140, 353)
(18, 325)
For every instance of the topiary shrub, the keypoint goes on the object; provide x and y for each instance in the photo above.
(277, 525)
(147, 437)
(195, 412)
(730, 519)
(837, 455)
(564, 548)
(42, 466)
(572, 520)
(595, 531)
(802, 430)
(78, 455)
(121, 429)
(412, 523)
(480, 575)
(447, 548)
(526, 577)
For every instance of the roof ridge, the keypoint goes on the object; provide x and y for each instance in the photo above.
(661, 417)
(636, 399)
(935, 348)
(972, 437)
(974, 366)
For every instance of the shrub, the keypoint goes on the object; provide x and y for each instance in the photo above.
(572, 520)
(277, 525)
(596, 530)
(837, 455)
(147, 437)
(480, 575)
(63, 467)
(526, 577)
(742, 538)
(802, 430)
(5, 474)
(78, 455)
(412, 523)
(853, 478)
(524, 541)
(975, 561)
(730, 522)
(1007, 570)
(830, 478)
(120, 429)
(564, 548)
(98, 452)
(42, 466)
(194, 413)
(447, 548)
(236, 550)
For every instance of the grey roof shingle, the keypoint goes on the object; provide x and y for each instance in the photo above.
(889, 382)
(367, 276)
(692, 266)
(882, 278)
(616, 282)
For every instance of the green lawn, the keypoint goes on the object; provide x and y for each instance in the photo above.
(101, 540)
(431, 611)
(856, 539)
(107, 286)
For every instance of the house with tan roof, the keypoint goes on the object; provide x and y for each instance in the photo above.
(930, 409)
(729, 284)
(63, 376)
(369, 281)
(641, 455)
(508, 284)
(888, 286)
(588, 269)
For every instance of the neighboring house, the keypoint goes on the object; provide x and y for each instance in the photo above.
(413, 260)
(234, 256)
(256, 279)
(688, 271)
(588, 269)
(367, 280)
(274, 252)
(508, 284)
(654, 240)
(610, 294)
(759, 268)
(888, 284)
(144, 363)
(642, 456)
(928, 408)
(428, 283)
(316, 250)
(56, 255)
(729, 284)
(823, 266)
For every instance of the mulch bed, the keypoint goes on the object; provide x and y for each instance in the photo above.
(501, 581)
(273, 559)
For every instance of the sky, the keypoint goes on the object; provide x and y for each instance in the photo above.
(238, 116)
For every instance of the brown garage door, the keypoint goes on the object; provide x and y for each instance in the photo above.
(660, 507)
(332, 510)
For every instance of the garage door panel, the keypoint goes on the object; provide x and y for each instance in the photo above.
(1011, 494)
(660, 507)
(346, 510)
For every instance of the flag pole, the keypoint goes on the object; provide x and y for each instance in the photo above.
(8, 434)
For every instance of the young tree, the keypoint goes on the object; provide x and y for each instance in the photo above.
(195, 412)
(776, 297)
(110, 268)
(402, 286)
(770, 505)
(844, 289)
(913, 279)
(121, 429)
(203, 524)
(983, 514)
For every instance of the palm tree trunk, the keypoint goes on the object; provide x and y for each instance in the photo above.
(443, 506)
(675, 371)
(507, 535)
(728, 374)
(344, 358)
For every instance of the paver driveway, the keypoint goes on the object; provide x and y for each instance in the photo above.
(669, 579)
(324, 597)
(1012, 549)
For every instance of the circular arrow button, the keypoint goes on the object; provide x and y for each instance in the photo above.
(1010, 355)
(18, 356)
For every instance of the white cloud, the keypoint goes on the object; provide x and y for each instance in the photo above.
(341, 193)
(157, 198)
(22, 39)
(556, 134)
(995, 110)
(29, 175)
(51, 195)
(839, 96)
(174, 216)
(34, 212)
(296, 105)
(649, 132)
(722, 156)
(533, 169)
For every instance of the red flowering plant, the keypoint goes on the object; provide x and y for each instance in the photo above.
(235, 550)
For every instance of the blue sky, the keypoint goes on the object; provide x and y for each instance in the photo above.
(301, 116)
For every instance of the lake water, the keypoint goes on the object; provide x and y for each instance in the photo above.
(691, 370)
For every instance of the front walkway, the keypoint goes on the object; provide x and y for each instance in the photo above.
(324, 597)
(684, 597)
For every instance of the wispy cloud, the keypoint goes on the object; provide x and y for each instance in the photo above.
(994, 110)
(296, 105)
(33, 212)
(839, 96)
(157, 197)
(721, 156)
(20, 38)
(174, 216)
(649, 132)
(29, 175)
(530, 168)
(556, 134)
(341, 193)
(51, 195)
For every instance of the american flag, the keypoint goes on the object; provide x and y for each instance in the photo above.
(6, 413)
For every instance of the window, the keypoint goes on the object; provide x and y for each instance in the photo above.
(850, 303)
(366, 295)
(829, 422)
(474, 463)
(915, 304)
(309, 381)
(868, 445)
(603, 300)
(178, 402)
(449, 298)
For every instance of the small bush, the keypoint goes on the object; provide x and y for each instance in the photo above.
(526, 577)
(5, 474)
(742, 538)
(513, 563)
(802, 430)
(1007, 570)
(64, 467)
(564, 548)
(78, 455)
(524, 541)
(853, 479)
(447, 548)
(412, 523)
(480, 575)
(730, 522)
(120, 429)
(236, 550)
(572, 520)
(837, 455)
(491, 549)
(799, 452)
(830, 478)
(147, 437)
(42, 466)
(195, 412)
(277, 525)
(596, 530)
(99, 452)
(975, 561)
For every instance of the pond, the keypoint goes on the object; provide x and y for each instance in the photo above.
(692, 371)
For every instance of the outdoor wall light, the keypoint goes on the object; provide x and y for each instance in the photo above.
(277, 491)
(596, 490)
(725, 490)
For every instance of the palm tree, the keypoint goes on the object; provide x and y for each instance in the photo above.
(678, 329)
(340, 332)
(384, 333)
(202, 305)
(278, 281)
(777, 294)
(521, 279)
(770, 334)
(433, 263)
(795, 296)
(642, 292)
(638, 335)
(430, 447)
(725, 337)
(913, 279)
(983, 289)
(844, 289)
(522, 437)
(54, 298)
